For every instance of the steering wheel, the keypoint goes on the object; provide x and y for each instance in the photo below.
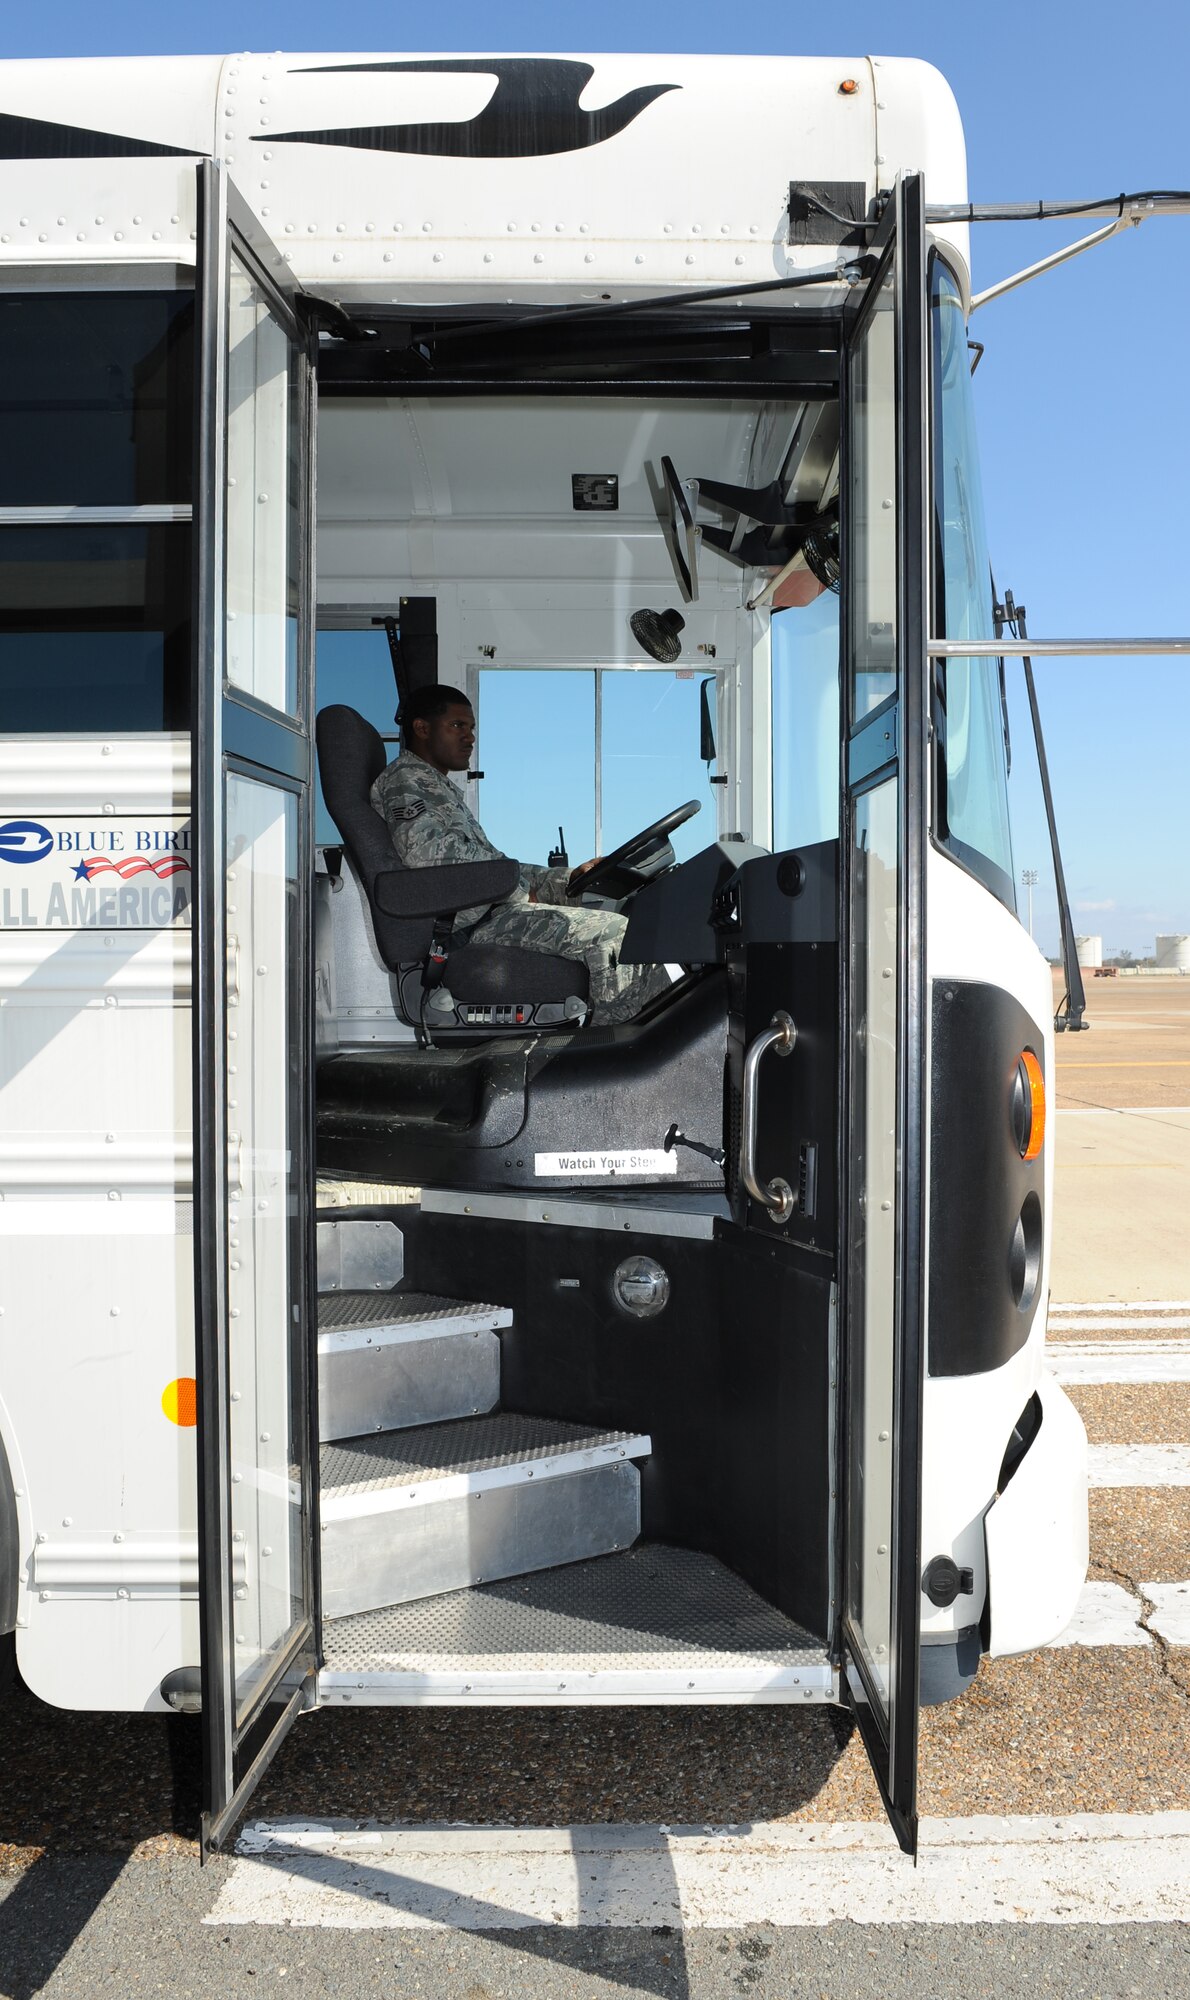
(592, 875)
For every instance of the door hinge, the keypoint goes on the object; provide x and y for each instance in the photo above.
(320, 315)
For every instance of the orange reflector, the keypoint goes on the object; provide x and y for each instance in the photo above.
(179, 1400)
(848, 87)
(1036, 1087)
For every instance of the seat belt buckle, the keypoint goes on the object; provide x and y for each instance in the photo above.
(434, 970)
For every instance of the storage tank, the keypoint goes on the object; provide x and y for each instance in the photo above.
(1089, 949)
(1173, 952)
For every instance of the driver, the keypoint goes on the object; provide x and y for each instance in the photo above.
(430, 823)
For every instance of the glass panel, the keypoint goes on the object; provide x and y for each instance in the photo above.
(651, 761)
(872, 501)
(96, 398)
(94, 629)
(356, 668)
(872, 1225)
(263, 499)
(263, 1116)
(973, 796)
(536, 748)
(806, 724)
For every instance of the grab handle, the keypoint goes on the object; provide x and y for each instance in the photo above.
(775, 1195)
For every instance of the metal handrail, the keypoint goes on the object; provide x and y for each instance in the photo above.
(775, 1195)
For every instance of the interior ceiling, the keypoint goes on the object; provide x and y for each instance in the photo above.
(470, 459)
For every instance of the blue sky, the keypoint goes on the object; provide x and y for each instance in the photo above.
(1083, 399)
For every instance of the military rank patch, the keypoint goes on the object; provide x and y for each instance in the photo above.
(414, 811)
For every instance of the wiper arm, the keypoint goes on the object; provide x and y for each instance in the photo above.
(1074, 1000)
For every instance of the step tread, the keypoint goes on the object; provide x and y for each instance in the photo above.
(653, 1606)
(342, 1312)
(386, 1459)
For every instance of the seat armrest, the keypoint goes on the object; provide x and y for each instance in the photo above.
(440, 892)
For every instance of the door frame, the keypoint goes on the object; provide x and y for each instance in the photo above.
(892, 740)
(233, 733)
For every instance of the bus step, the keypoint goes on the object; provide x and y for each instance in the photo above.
(412, 1514)
(393, 1360)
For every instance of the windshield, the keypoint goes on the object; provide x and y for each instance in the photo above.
(970, 717)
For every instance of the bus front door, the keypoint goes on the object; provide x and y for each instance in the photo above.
(251, 792)
(831, 1143)
(883, 846)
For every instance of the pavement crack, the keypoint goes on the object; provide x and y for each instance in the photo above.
(1168, 1663)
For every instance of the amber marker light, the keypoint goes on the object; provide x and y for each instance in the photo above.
(179, 1400)
(848, 87)
(1028, 1105)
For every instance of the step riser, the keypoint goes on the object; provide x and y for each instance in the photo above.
(399, 1384)
(359, 1255)
(392, 1557)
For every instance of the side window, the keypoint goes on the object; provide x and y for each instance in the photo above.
(650, 757)
(94, 629)
(805, 670)
(969, 711)
(601, 752)
(536, 748)
(354, 667)
(96, 413)
(96, 407)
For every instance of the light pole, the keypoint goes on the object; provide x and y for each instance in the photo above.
(1029, 879)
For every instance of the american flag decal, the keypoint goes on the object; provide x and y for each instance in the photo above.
(137, 864)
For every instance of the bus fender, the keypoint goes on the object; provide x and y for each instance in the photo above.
(1036, 1531)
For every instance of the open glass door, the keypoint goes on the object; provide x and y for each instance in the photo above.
(252, 1108)
(884, 846)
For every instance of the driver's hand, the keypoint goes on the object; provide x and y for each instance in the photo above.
(577, 875)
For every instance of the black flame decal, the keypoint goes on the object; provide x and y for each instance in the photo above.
(534, 110)
(41, 139)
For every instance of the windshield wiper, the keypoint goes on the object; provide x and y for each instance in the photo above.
(1074, 1000)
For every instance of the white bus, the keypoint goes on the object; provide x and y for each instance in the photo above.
(376, 1326)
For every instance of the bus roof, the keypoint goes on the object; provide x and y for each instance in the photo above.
(451, 177)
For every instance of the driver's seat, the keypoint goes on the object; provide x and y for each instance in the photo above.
(491, 987)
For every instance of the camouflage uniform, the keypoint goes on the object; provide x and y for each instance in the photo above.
(431, 823)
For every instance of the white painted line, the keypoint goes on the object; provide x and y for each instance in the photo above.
(1124, 1111)
(1177, 1323)
(1145, 1322)
(1107, 1868)
(1170, 1617)
(1096, 1361)
(1121, 1306)
(1107, 1615)
(1138, 1465)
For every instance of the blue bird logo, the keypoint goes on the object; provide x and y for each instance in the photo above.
(24, 840)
